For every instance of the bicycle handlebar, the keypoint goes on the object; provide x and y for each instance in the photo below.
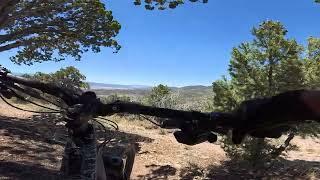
(195, 126)
(205, 121)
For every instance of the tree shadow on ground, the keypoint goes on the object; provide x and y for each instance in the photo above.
(28, 151)
(116, 138)
(280, 169)
(121, 137)
(27, 138)
(159, 172)
(26, 170)
(23, 129)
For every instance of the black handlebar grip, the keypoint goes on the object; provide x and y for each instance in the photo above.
(185, 138)
(193, 139)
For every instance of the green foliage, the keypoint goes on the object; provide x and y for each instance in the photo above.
(69, 78)
(161, 96)
(312, 63)
(258, 69)
(225, 98)
(115, 97)
(163, 4)
(268, 65)
(313, 49)
(159, 92)
(253, 150)
(51, 30)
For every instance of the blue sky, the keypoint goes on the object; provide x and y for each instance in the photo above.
(186, 46)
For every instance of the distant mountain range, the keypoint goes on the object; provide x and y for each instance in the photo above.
(186, 94)
(94, 85)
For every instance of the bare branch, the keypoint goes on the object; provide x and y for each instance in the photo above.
(12, 45)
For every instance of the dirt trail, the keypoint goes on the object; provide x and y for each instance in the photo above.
(164, 157)
(26, 153)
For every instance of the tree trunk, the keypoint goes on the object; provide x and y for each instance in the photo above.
(270, 78)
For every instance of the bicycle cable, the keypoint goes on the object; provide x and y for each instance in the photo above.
(154, 123)
(34, 103)
(111, 123)
(105, 132)
(20, 89)
(26, 110)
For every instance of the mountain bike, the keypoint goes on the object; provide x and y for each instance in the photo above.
(84, 157)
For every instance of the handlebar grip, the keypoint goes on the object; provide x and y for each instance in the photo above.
(193, 139)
